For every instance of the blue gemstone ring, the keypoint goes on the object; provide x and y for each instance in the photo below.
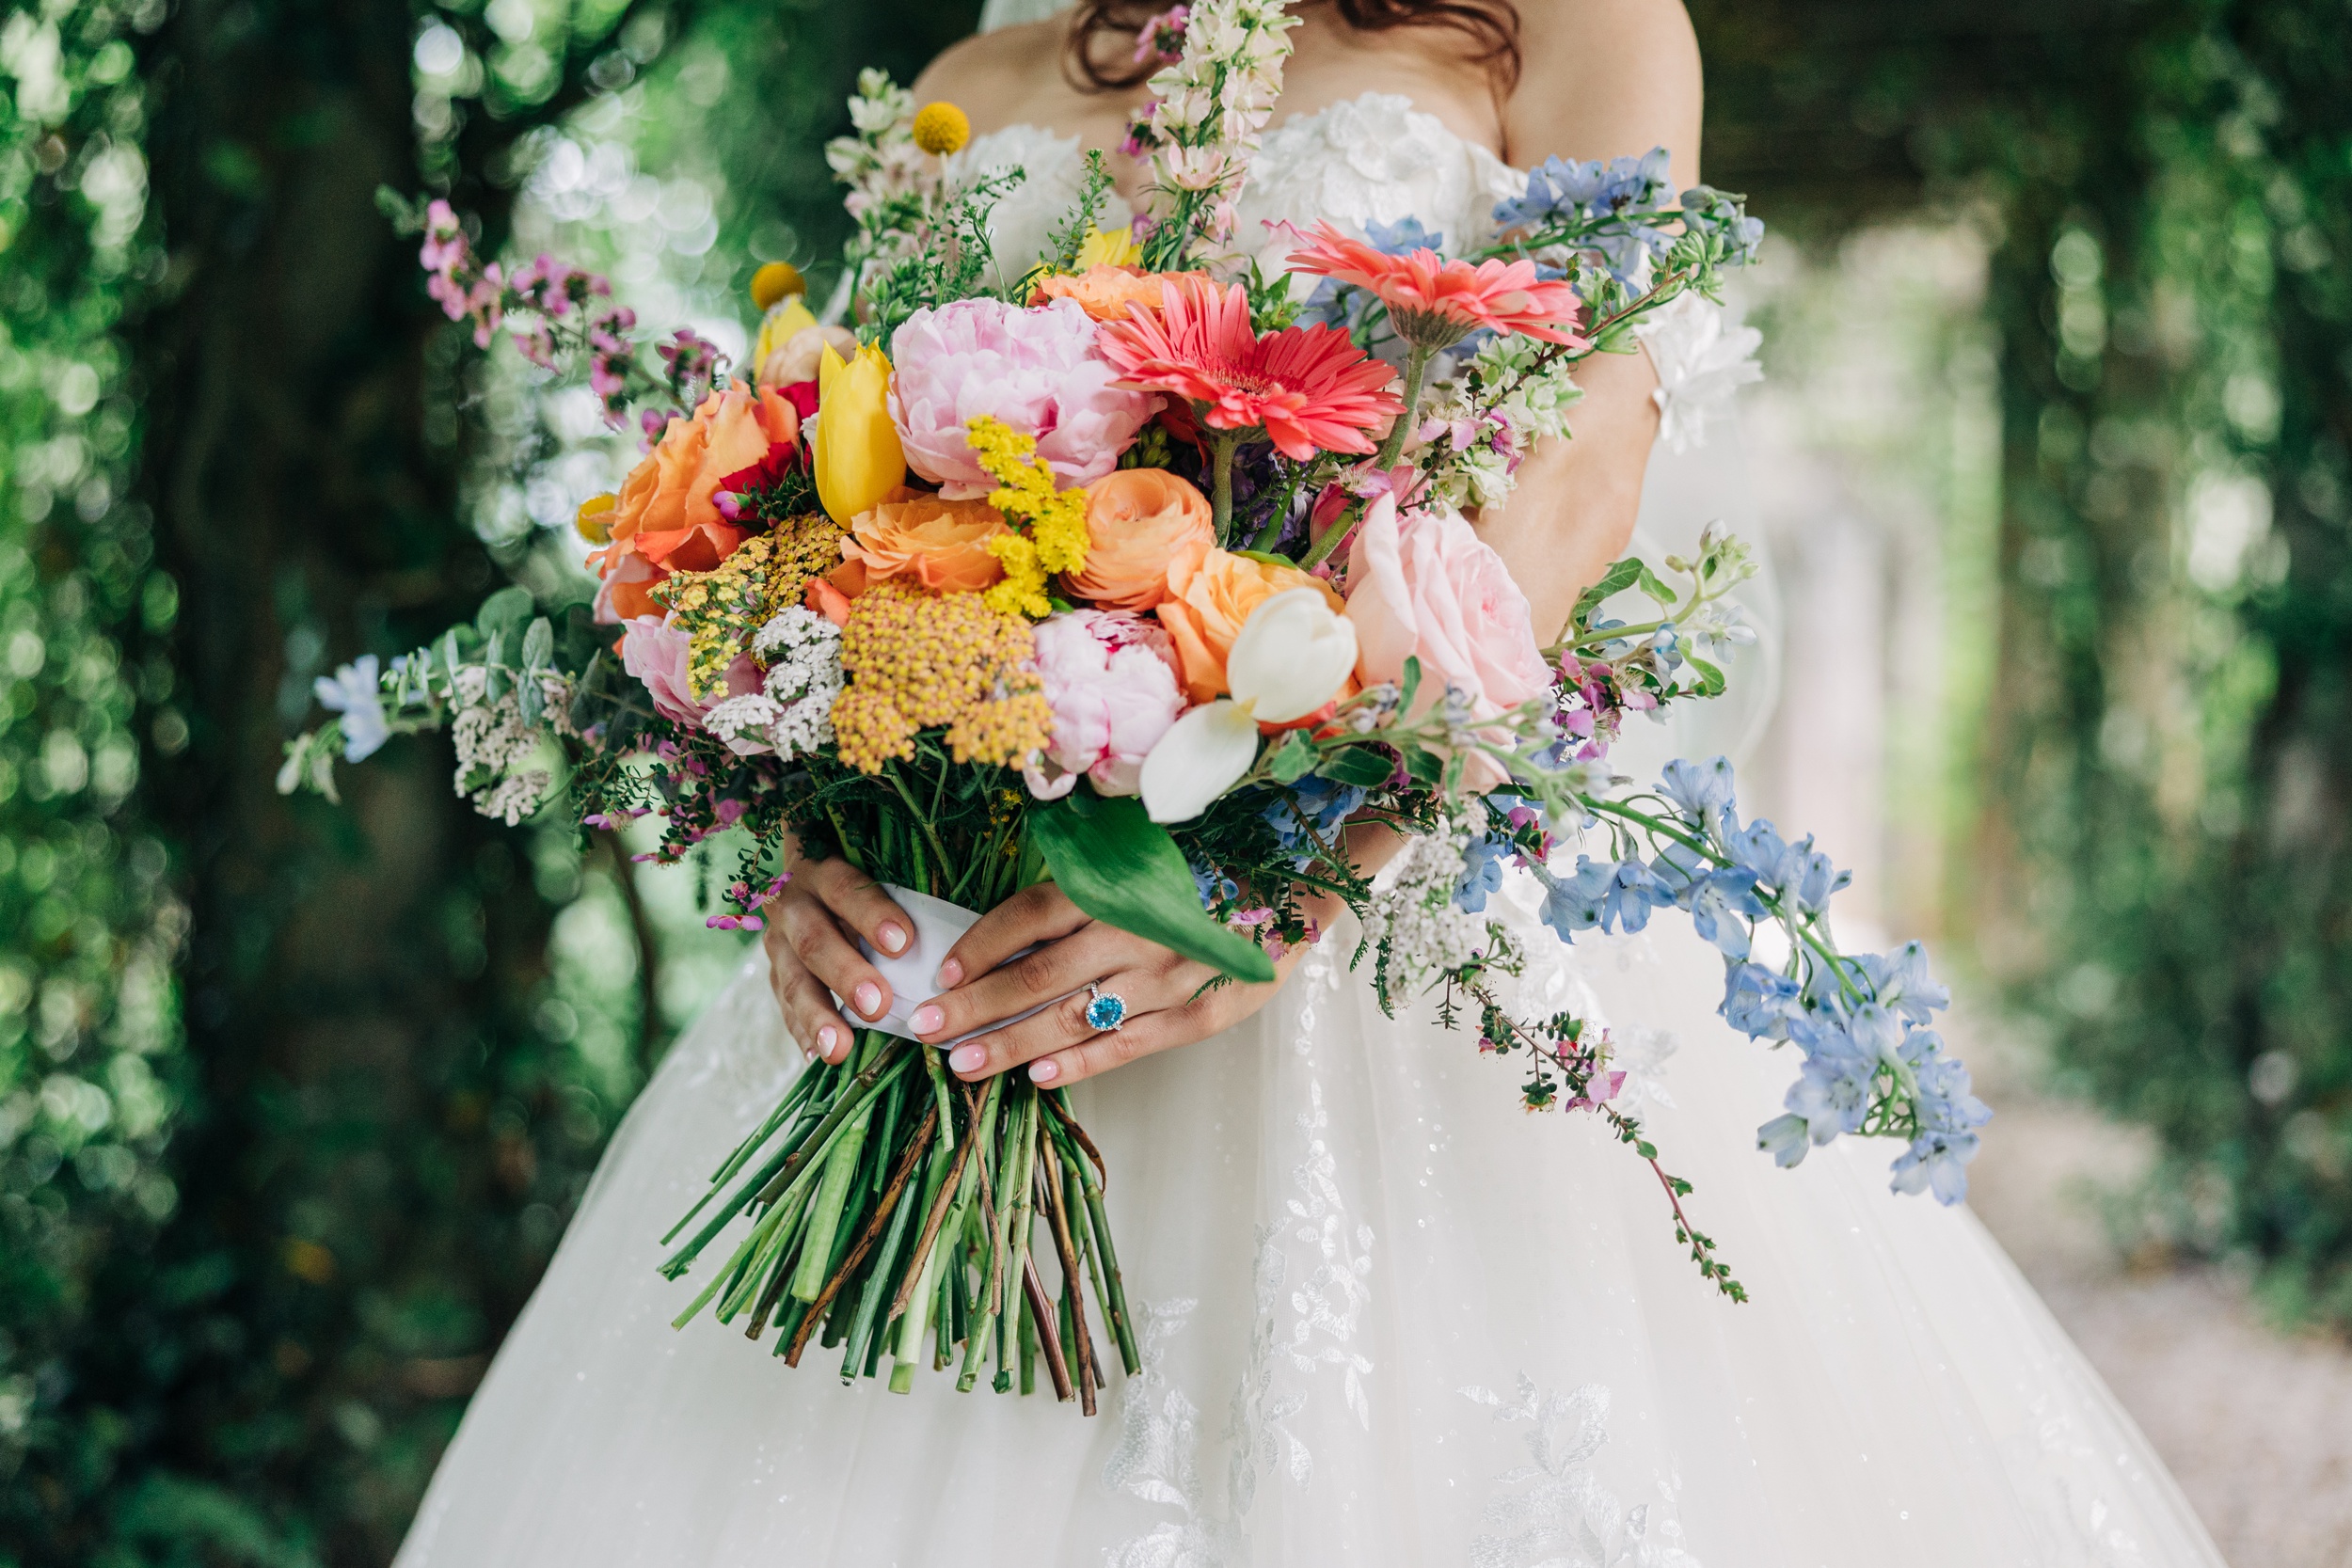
(1105, 1009)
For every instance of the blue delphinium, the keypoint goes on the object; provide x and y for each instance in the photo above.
(356, 693)
(1482, 872)
(1320, 803)
(1568, 192)
(1614, 896)
(1860, 1020)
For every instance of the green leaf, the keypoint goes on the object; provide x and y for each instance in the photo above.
(1652, 588)
(1365, 767)
(1710, 678)
(1424, 767)
(504, 612)
(538, 644)
(1620, 577)
(1122, 868)
(1293, 759)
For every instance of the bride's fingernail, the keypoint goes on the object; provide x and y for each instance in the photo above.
(952, 974)
(927, 1017)
(893, 936)
(968, 1058)
(1044, 1072)
(826, 1039)
(869, 998)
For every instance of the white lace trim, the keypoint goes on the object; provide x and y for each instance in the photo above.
(1701, 363)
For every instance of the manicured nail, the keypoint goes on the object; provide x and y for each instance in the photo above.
(928, 1018)
(827, 1039)
(951, 974)
(893, 936)
(968, 1058)
(868, 999)
(1044, 1072)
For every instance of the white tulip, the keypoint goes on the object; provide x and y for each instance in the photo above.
(1292, 656)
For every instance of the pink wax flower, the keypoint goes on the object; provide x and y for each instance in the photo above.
(1427, 587)
(1036, 369)
(656, 653)
(1112, 678)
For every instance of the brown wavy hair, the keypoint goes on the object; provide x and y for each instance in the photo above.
(1491, 27)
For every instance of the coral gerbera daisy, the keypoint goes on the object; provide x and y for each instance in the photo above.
(1308, 387)
(1435, 303)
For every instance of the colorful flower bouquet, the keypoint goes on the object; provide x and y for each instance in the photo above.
(1146, 572)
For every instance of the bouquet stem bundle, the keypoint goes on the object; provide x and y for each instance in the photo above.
(894, 1216)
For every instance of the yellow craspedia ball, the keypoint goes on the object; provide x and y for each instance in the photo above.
(595, 518)
(941, 128)
(776, 280)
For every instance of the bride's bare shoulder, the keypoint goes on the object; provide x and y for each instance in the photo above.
(994, 75)
(1599, 78)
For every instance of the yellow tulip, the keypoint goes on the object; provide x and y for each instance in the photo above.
(858, 457)
(1115, 249)
(783, 319)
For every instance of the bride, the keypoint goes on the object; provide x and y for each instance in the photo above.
(1387, 1319)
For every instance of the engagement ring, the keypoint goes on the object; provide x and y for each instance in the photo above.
(1105, 1009)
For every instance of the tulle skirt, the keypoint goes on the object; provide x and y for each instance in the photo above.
(1387, 1319)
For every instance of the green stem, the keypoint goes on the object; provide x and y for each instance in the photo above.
(1221, 448)
(824, 1215)
(1416, 367)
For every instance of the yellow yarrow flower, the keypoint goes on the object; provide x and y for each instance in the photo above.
(919, 661)
(942, 128)
(1054, 539)
(721, 610)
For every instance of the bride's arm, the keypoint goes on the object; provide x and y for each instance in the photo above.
(1598, 79)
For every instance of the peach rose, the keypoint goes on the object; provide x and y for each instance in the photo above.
(1206, 607)
(1146, 529)
(1428, 588)
(665, 521)
(1104, 292)
(942, 544)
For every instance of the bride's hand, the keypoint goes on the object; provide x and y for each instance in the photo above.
(1166, 1003)
(811, 939)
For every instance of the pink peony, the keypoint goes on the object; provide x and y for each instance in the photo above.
(1038, 370)
(656, 653)
(1427, 587)
(1111, 677)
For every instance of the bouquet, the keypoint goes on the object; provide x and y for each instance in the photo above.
(1142, 569)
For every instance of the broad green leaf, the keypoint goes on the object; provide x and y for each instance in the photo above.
(504, 612)
(1365, 767)
(1620, 577)
(1293, 760)
(1122, 868)
(538, 644)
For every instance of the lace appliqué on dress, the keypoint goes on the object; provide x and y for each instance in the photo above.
(1701, 364)
(1556, 1512)
(1157, 1454)
(1373, 159)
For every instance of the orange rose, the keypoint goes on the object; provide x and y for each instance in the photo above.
(941, 544)
(1146, 530)
(1207, 606)
(665, 521)
(1103, 292)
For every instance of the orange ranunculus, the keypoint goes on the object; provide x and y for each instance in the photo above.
(1206, 607)
(665, 521)
(1103, 292)
(1145, 529)
(940, 544)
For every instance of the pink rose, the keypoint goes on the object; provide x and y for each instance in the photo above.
(656, 653)
(1427, 587)
(1038, 370)
(1112, 678)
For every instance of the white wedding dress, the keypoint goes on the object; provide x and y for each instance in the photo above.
(1389, 1319)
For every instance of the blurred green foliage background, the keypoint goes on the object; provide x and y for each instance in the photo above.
(294, 1100)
